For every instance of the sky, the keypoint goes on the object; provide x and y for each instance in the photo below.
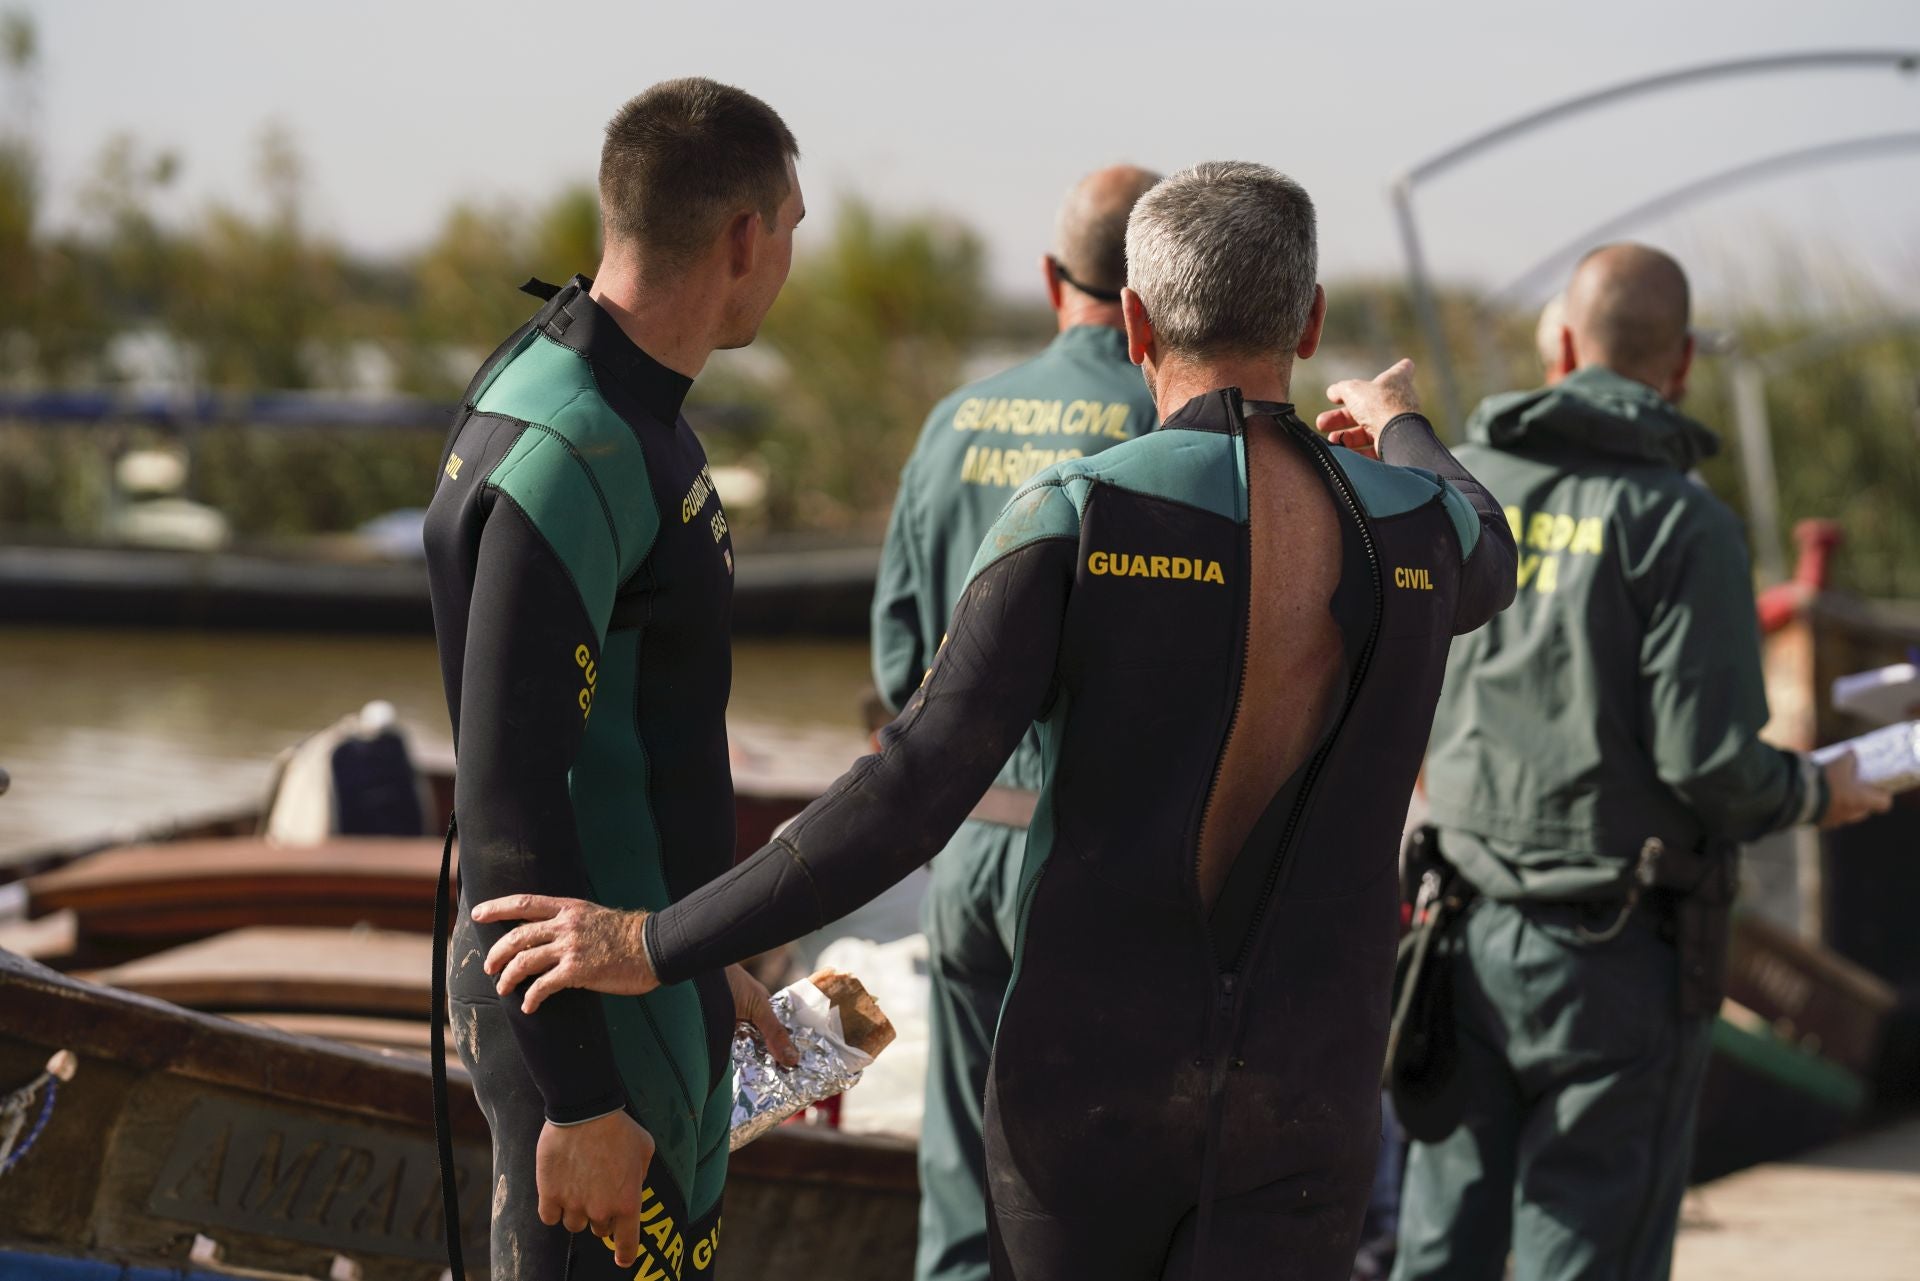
(988, 110)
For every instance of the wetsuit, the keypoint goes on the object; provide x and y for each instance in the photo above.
(1177, 1089)
(582, 579)
(978, 448)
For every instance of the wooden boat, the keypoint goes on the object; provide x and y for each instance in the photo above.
(252, 1093)
(186, 1139)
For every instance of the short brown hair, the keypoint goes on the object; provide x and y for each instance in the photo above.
(685, 156)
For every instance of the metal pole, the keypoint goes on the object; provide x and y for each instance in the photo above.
(1423, 303)
(1756, 463)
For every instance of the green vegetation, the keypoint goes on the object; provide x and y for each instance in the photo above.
(875, 325)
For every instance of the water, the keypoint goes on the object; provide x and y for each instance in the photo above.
(105, 732)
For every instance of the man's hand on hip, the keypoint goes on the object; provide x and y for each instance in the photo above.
(566, 943)
(1848, 799)
(1366, 407)
(589, 1177)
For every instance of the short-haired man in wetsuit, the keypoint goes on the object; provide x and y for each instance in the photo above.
(979, 447)
(582, 579)
(1230, 635)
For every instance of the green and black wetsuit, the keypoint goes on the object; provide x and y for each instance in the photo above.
(1173, 1092)
(582, 578)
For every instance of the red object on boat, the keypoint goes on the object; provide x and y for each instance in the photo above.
(1781, 603)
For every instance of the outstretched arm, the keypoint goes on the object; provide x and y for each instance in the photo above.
(888, 814)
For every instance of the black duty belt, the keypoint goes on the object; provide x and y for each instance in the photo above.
(1007, 807)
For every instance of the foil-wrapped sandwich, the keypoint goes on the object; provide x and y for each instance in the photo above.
(837, 1027)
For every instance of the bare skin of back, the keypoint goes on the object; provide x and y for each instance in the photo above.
(1294, 651)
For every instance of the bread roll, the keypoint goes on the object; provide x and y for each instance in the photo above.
(866, 1028)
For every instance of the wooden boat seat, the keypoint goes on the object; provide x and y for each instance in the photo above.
(363, 972)
(189, 889)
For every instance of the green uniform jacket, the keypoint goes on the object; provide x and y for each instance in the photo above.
(979, 446)
(1620, 698)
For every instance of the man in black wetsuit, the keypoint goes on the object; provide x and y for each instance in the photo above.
(582, 579)
(1230, 636)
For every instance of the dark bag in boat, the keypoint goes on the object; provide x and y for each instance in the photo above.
(1422, 1041)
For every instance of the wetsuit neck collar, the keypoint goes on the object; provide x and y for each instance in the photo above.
(1223, 411)
(575, 320)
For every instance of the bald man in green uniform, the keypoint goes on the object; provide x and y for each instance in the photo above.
(981, 444)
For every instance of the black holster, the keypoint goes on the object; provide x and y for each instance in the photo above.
(1702, 901)
(1422, 1058)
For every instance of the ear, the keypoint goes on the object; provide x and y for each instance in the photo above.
(1569, 355)
(1316, 321)
(1140, 343)
(1055, 291)
(743, 243)
(1677, 387)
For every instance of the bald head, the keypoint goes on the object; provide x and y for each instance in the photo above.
(1627, 309)
(1090, 236)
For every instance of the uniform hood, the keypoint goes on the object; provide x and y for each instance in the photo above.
(1598, 410)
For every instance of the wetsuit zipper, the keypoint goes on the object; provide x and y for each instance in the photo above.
(1223, 1018)
(1323, 455)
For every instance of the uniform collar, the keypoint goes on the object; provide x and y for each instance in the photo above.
(1104, 339)
(578, 322)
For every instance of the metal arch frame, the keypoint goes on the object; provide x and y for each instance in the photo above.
(1753, 171)
(1402, 191)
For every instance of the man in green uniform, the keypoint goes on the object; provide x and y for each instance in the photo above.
(979, 446)
(1594, 759)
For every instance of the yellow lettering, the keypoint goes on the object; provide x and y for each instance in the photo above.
(1160, 567)
(647, 1194)
(1539, 530)
(1513, 522)
(967, 417)
(1529, 564)
(581, 656)
(661, 1231)
(650, 1271)
(1586, 538)
(1074, 421)
(1213, 574)
(1182, 567)
(1097, 563)
(1549, 575)
(453, 466)
(703, 1255)
(1562, 533)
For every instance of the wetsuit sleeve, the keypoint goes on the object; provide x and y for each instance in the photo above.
(532, 647)
(901, 651)
(1488, 559)
(1704, 699)
(895, 809)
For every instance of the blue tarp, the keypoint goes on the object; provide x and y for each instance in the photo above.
(47, 1267)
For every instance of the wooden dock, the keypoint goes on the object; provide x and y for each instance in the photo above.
(1851, 1210)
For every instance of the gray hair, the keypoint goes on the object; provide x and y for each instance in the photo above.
(1223, 256)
